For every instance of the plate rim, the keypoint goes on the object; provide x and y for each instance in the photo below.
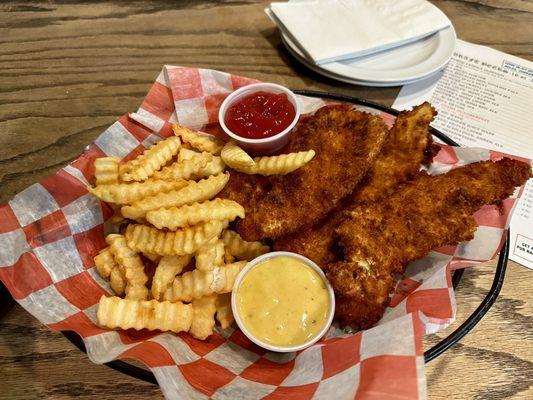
(447, 38)
(306, 63)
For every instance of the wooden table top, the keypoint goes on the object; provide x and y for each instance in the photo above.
(69, 69)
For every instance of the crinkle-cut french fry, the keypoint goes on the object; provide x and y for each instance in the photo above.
(146, 239)
(176, 217)
(193, 192)
(167, 269)
(224, 311)
(106, 170)
(203, 317)
(224, 277)
(105, 263)
(190, 285)
(109, 269)
(136, 292)
(240, 248)
(151, 160)
(210, 255)
(117, 218)
(187, 153)
(117, 281)
(114, 312)
(213, 167)
(195, 284)
(228, 257)
(279, 165)
(235, 157)
(186, 169)
(198, 140)
(126, 193)
(156, 258)
(131, 265)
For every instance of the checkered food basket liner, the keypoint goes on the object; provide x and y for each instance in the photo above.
(50, 232)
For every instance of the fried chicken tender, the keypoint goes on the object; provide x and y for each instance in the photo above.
(318, 242)
(380, 239)
(408, 146)
(346, 143)
(246, 189)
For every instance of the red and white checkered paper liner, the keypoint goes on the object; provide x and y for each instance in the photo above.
(50, 232)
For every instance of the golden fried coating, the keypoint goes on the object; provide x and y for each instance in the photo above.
(318, 242)
(246, 189)
(380, 239)
(370, 293)
(346, 143)
(408, 146)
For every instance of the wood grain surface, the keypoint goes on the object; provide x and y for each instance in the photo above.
(68, 69)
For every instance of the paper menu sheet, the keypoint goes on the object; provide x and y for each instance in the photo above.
(485, 98)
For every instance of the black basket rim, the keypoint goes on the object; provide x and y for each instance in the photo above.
(432, 353)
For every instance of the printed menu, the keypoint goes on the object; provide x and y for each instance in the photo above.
(485, 99)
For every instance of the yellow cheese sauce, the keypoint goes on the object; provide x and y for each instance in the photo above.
(283, 302)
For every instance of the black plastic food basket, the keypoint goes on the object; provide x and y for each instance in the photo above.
(7, 302)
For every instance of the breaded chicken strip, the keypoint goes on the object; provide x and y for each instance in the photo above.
(346, 143)
(408, 147)
(246, 189)
(380, 239)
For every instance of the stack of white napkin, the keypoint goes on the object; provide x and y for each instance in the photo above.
(335, 30)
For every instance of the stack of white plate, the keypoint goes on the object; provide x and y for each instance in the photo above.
(395, 67)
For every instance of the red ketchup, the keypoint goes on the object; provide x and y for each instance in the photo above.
(260, 115)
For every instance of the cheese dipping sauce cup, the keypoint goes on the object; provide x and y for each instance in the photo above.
(283, 302)
(265, 145)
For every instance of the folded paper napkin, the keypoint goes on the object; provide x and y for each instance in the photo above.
(335, 30)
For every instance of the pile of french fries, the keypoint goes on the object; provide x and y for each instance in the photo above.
(164, 201)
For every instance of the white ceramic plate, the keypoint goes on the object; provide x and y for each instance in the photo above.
(406, 64)
(315, 68)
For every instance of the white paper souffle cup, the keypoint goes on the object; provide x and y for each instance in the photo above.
(257, 261)
(266, 145)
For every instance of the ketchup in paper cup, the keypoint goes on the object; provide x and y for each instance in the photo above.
(260, 116)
